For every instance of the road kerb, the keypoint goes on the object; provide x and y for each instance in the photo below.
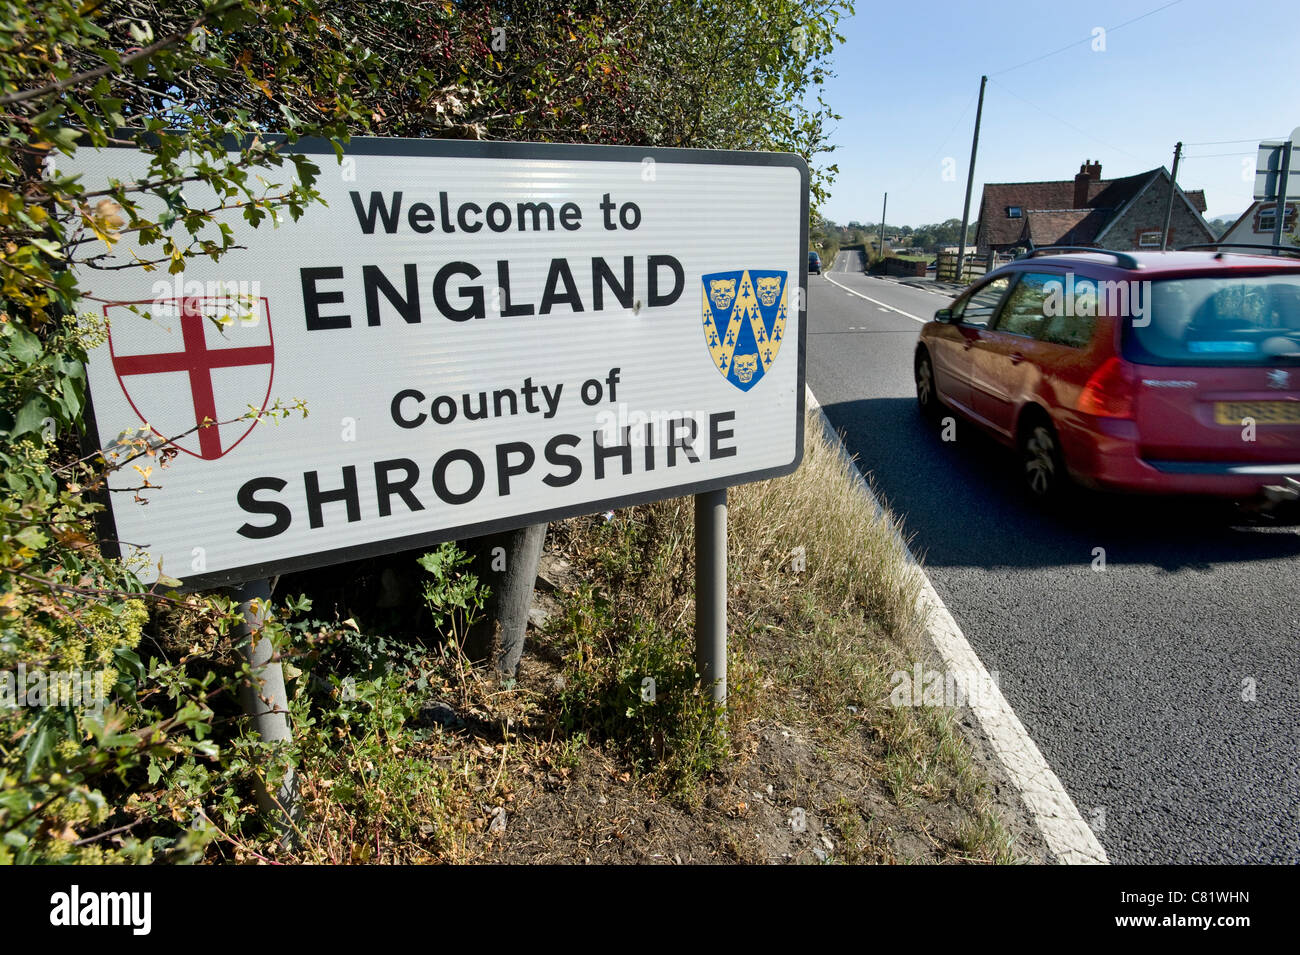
(1067, 835)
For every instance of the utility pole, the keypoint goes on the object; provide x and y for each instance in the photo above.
(1281, 195)
(1173, 188)
(880, 249)
(970, 181)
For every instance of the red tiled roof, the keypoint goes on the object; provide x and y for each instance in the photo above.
(1059, 227)
(996, 228)
(1047, 205)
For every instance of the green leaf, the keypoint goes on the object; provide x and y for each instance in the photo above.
(128, 660)
(39, 744)
(31, 416)
(31, 537)
(66, 139)
(70, 390)
(24, 346)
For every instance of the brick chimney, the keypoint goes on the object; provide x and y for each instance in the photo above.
(1088, 172)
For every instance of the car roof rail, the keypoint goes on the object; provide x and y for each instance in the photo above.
(1123, 258)
(1292, 249)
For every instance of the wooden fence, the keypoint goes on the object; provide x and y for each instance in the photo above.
(972, 268)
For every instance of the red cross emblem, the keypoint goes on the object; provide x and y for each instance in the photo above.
(228, 368)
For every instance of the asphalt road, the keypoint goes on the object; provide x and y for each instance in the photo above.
(1163, 689)
(849, 262)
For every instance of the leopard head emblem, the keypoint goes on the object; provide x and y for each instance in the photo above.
(722, 291)
(768, 290)
(745, 366)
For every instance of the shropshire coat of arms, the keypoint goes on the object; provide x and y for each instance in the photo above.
(744, 322)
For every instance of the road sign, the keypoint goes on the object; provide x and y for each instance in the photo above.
(1268, 169)
(485, 335)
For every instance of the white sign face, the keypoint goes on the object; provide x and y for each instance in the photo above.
(1268, 169)
(485, 336)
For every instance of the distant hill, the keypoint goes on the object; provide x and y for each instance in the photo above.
(1220, 224)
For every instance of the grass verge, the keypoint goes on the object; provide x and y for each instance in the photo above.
(605, 749)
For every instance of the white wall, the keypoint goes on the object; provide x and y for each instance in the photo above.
(1244, 231)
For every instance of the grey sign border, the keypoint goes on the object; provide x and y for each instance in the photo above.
(475, 149)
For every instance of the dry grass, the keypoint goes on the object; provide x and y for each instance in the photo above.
(588, 771)
(822, 614)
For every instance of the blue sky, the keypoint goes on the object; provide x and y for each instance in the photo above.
(1200, 71)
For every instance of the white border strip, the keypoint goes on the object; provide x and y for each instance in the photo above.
(1058, 819)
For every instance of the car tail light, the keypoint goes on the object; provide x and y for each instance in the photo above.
(1108, 393)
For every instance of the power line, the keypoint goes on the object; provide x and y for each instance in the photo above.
(921, 168)
(1087, 39)
(1227, 142)
(1217, 155)
(966, 108)
(1065, 122)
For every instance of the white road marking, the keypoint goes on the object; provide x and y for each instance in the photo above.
(942, 293)
(1057, 817)
(884, 305)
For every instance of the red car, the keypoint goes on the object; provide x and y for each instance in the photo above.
(1169, 372)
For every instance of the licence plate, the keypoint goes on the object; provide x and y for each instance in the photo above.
(1262, 412)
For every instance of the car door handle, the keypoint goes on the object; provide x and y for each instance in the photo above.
(1016, 358)
(968, 344)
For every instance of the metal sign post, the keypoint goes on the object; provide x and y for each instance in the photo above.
(1280, 214)
(711, 591)
(1272, 179)
(265, 700)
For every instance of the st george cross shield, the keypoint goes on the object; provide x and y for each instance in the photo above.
(193, 369)
(744, 322)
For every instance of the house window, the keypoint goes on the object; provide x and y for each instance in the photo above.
(1266, 217)
(1149, 239)
(1014, 212)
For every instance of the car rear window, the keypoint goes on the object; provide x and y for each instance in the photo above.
(1232, 320)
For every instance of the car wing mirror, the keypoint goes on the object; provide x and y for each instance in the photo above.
(943, 315)
(1280, 346)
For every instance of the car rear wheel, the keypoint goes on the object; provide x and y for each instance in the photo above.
(927, 398)
(1042, 466)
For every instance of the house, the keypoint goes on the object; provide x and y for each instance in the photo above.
(1127, 213)
(1255, 227)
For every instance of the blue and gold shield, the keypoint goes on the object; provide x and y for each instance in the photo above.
(744, 322)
